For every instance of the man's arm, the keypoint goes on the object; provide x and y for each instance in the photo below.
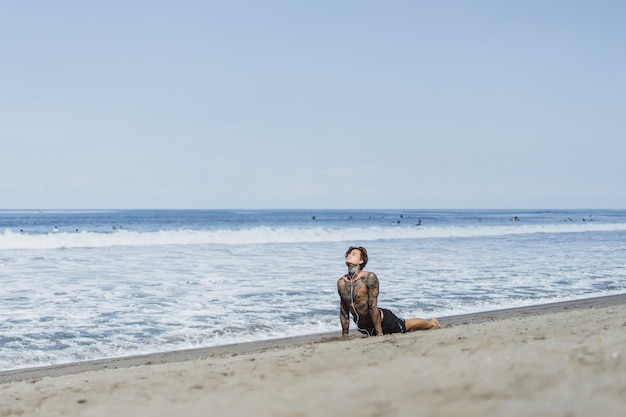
(344, 317)
(371, 281)
(344, 313)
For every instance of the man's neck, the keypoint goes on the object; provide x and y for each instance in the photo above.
(352, 278)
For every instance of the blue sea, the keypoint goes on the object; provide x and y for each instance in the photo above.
(78, 285)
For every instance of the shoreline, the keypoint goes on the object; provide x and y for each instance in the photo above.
(35, 373)
(561, 359)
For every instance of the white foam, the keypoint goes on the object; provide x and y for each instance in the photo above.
(10, 240)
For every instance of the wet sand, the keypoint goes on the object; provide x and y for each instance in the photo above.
(562, 359)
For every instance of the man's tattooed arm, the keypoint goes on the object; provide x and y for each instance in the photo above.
(371, 280)
(344, 313)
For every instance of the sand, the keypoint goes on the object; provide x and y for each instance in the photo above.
(566, 359)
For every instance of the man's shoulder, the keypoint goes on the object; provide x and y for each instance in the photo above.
(369, 276)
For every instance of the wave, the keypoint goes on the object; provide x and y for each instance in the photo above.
(10, 240)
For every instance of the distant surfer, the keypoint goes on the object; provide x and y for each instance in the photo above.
(358, 294)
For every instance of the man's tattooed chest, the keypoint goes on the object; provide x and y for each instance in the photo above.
(354, 292)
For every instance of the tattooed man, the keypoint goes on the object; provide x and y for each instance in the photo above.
(358, 293)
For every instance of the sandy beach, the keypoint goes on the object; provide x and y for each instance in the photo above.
(564, 359)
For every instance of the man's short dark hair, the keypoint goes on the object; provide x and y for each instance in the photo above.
(363, 251)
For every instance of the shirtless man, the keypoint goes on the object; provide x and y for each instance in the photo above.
(358, 293)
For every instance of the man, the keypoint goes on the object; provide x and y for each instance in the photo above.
(358, 293)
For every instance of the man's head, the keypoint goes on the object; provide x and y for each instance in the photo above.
(357, 255)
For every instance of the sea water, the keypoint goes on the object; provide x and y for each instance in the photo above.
(81, 285)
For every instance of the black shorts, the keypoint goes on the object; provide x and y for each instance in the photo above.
(391, 324)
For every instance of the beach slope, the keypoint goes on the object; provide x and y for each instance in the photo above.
(550, 362)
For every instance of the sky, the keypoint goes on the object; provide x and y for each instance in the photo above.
(312, 104)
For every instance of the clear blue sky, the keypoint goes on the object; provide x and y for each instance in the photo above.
(312, 104)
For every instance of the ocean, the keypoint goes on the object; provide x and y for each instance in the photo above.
(79, 285)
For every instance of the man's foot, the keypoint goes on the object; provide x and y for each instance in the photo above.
(434, 324)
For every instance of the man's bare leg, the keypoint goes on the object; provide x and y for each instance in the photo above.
(421, 324)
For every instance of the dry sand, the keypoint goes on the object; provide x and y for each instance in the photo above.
(566, 359)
